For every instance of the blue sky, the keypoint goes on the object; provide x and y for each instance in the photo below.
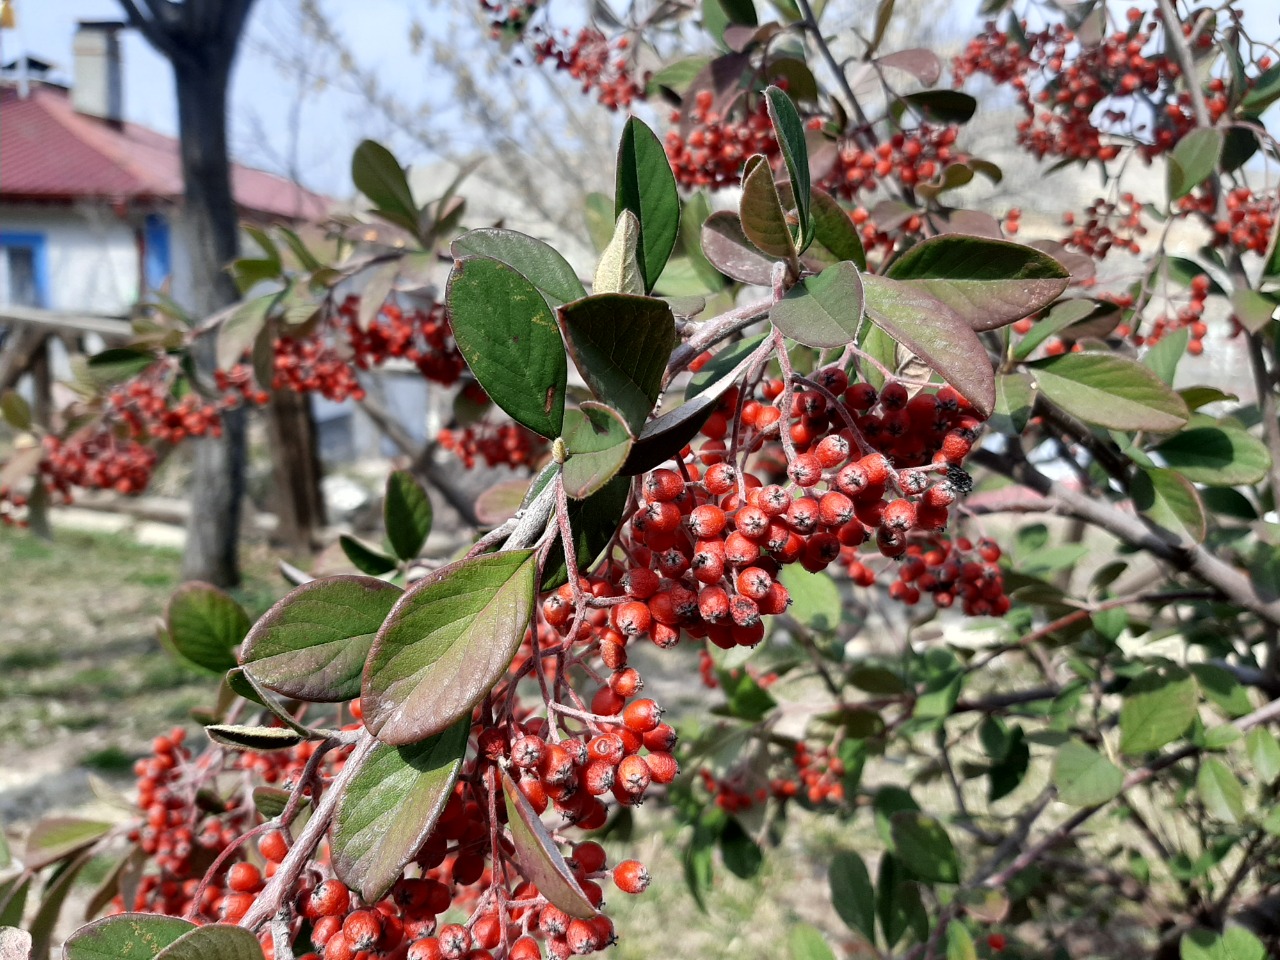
(332, 121)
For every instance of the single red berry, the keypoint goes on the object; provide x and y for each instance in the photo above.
(630, 876)
(641, 716)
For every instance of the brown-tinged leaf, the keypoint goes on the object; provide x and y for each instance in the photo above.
(538, 858)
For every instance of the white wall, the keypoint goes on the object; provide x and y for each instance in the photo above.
(92, 255)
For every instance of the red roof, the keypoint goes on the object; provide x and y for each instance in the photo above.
(49, 152)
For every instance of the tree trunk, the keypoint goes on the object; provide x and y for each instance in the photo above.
(210, 227)
(295, 461)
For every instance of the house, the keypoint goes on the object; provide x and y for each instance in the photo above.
(90, 204)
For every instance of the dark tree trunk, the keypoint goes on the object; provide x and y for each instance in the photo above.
(212, 238)
(295, 458)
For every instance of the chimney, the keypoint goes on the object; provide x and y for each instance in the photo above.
(98, 84)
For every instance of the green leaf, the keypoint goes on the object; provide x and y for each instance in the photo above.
(1015, 397)
(1220, 791)
(365, 559)
(835, 231)
(1168, 500)
(390, 807)
(945, 106)
(114, 364)
(726, 247)
(13, 899)
(677, 76)
(647, 187)
(1220, 685)
(508, 335)
(1194, 158)
(1158, 707)
(538, 262)
(934, 333)
(875, 679)
(727, 359)
(1264, 753)
(1084, 777)
(312, 645)
(1062, 318)
(621, 344)
(619, 267)
(538, 857)
(205, 625)
(125, 936)
(760, 210)
(1235, 943)
(959, 942)
(55, 895)
(1254, 311)
(378, 175)
(1164, 356)
(597, 210)
(593, 522)
(789, 130)
(741, 855)
(255, 738)
(815, 599)
(805, 942)
(270, 801)
(57, 838)
(15, 410)
(987, 282)
(406, 512)
(598, 443)
(898, 903)
(822, 311)
(693, 215)
(923, 846)
(445, 643)
(1110, 391)
(217, 941)
(852, 894)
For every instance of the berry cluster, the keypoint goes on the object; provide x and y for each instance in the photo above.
(595, 61)
(711, 152)
(1106, 225)
(499, 444)
(909, 157)
(949, 571)
(1077, 94)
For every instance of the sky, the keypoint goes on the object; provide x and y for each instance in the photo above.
(332, 120)
(261, 96)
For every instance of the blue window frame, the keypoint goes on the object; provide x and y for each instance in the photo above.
(157, 262)
(28, 266)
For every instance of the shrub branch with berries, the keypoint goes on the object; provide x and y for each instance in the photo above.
(420, 761)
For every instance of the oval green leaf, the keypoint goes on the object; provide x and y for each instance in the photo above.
(1168, 500)
(390, 807)
(726, 247)
(378, 175)
(125, 936)
(1158, 707)
(987, 282)
(445, 644)
(1193, 159)
(366, 559)
(822, 311)
(835, 231)
(538, 262)
(1084, 777)
(406, 512)
(508, 336)
(934, 333)
(598, 443)
(312, 645)
(852, 894)
(647, 187)
(253, 738)
(1216, 456)
(1220, 791)
(205, 625)
(760, 210)
(56, 838)
(621, 344)
(921, 843)
(789, 131)
(539, 859)
(1110, 391)
(217, 941)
